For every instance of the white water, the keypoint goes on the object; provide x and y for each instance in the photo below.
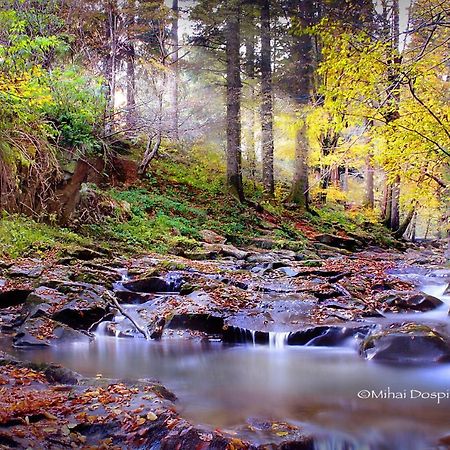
(278, 339)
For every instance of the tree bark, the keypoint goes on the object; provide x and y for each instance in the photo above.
(175, 71)
(234, 174)
(395, 205)
(266, 100)
(387, 203)
(131, 70)
(300, 182)
(370, 193)
(111, 63)
(401, 229)
(250, 141)
(301, 83)
(393, 101)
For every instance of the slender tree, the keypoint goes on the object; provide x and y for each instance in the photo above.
(266, 100)
(111, 28)
(250, 72)
(234, 87)
(175, 70)
(301, 89)
(131, 67)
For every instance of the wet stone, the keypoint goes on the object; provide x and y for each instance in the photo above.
(407, 344)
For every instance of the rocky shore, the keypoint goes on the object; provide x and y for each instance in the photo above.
(323, 297)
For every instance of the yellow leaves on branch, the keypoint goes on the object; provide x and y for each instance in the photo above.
(28, 87)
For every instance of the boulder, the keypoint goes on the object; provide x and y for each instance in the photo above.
(407, 344)
(61, 375)
(44, 294)
(346, 243)
(43, 331)
(32, 269)
(447, 290)
(226, 250)
(13, 297)
(81, 315)
(153, 285)
(79, 308)
(411, 301)
(199, 255)
(87, 254)
(211, 237)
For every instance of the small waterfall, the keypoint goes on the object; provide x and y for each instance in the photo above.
(101, 329)
(278, 339)
(253, 333)
(124, 277)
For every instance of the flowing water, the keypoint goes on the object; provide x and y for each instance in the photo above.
(319, 389)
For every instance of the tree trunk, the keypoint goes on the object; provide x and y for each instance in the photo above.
(110, 64)
(401, 229)
(387, 204)
(328, 144)
(234, 175)
(150, 153)
(301, 84)
(266, 100)
(395, 205)
(370, 194)
(250, 141)
(131, 72)
(393, 100)
(175, 71)
(300, 184)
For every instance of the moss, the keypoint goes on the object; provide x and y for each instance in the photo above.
(21, 236)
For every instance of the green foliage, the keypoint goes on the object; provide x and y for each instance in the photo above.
(21, 236)
(360, 223)
(76, 109)
(174, 205)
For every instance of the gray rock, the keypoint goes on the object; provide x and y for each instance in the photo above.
(407, 344)
(346, 243)
(412, 301)
(226, 250)
(13, 297)
(211, 237)
(28, 271)
(43, 331)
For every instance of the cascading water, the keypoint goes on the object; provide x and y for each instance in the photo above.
(124, 277)
(278, 339)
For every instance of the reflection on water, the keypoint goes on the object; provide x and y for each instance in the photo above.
(314, 387)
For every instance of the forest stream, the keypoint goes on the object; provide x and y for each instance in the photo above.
(258, 375)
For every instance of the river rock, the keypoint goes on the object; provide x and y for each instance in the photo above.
(13, 297)
(80, 314)
(79, 309)
(153, 285)
(226, 250)
(31, 269)
(411, 301)
(43, 331)
(200, 255)
(211, 237)
(87, 254)
(44, 294)
(407, 344)
(447, 290)
(345, 243)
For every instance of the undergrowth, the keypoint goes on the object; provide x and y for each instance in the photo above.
(21, 236)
